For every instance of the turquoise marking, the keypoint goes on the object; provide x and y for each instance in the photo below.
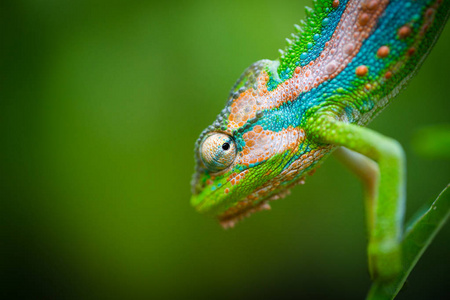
(347, 82)
(314, 50)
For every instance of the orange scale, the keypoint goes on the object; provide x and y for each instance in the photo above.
(257, 128)
(404, 32)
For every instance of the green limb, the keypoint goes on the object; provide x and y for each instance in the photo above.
(418, 236)
(368, 172)
(386, 212)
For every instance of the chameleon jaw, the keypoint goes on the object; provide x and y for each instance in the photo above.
(230, 221)
(231, 217)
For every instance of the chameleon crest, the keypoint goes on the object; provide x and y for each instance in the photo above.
(344, 64)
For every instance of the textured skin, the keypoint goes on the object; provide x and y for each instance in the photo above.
(346, 62)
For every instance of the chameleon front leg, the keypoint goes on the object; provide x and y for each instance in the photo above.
(368, 172)
(386, 212)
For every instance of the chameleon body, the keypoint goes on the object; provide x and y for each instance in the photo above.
(344, 64)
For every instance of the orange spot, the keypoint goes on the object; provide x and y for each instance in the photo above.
(361, 70)
(411, 51)
(257, 129)
(226, 191)
(363, 19)
(250, 143)
(335, 3)
(383, 51)
(388, 75)
(404, 32)
(372, 4)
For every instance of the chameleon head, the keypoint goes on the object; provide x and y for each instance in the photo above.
(248, 156)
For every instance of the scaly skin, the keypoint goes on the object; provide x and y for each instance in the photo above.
(284, 117)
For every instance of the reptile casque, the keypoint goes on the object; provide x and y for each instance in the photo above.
(343, 66)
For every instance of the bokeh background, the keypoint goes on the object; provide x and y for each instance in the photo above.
(101, 103)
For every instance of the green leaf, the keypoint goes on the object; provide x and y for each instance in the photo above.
(418, 236)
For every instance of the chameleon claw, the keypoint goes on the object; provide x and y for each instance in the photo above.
(384, 260)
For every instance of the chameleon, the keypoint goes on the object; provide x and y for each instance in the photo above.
(344, 64)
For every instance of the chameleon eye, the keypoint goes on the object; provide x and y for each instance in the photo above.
(218, 151)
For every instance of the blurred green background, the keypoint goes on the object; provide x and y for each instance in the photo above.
(101, 103)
